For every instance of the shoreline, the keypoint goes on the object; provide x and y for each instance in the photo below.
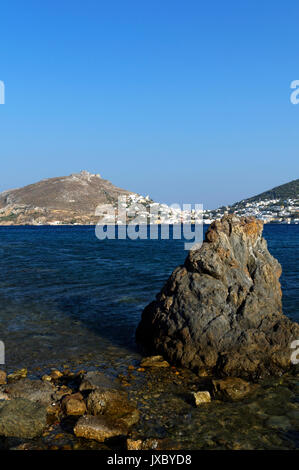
(151, 390)
(94, 225)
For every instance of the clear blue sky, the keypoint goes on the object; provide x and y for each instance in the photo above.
(185, 100)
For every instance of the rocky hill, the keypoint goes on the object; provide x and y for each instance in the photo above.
(281, 193)
(277, 205)
(67, 199)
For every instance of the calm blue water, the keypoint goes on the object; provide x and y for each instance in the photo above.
(65, 296)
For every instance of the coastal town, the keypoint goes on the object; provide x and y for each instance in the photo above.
(144, 210)
(269, 211)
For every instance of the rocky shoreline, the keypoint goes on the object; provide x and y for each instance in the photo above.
(152, 406)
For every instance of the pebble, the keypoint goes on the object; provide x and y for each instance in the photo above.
(2, 377)
(18, 374)
(201, 397)
(46, 378)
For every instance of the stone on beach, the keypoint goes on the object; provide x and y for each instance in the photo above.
(115, 405)
(107, 399)
(56, 374)
(33, 390)
(46, 378)
(232, 388)
(152, 444)
(221, 311)
(98, 428)
(74, 405)
(17, 375)
(201, 397)
(22, 418)
(4, 396)
(61, 392)
(95, 380)
(154, 361)
(2, 377)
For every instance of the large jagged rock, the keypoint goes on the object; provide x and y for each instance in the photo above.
(221, 311)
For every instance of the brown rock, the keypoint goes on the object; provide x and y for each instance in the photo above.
(98, 428)
(53, 410)
(222, 310)
(61, 392)
(130, 418)
(201, 397)
(232, 388)
(46, 378)
(134, 444)
(17, 375)
(106, 401)
(2, 377)
(74, 405)
(56, 374)
(154, 361)
(152, 444)
(115, 405)
(4, 396)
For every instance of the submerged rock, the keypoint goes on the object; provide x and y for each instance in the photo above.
(115, 405)
(221, 311)
(279, 422)
(95, 380)
(98, 428)
(33, 390)
(232, 388)
(22, 418)
(107, 401)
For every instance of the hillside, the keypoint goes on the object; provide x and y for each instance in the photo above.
(282, 193)
(277, 205)
(66, 199)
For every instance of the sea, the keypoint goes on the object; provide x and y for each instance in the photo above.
(68, 297)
